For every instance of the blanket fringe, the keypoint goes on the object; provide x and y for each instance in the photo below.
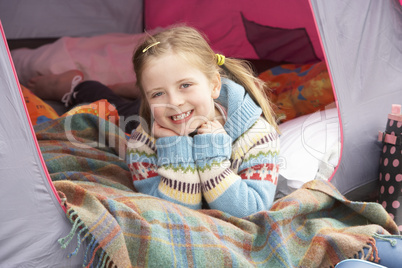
(372, 252)
(93, 248)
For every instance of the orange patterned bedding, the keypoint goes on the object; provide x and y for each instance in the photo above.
(39, 111)
(297, 90)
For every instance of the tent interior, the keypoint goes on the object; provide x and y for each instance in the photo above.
(317, 58)
(301, 83)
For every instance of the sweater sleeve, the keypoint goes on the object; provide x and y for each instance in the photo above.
(238, 178)
(164, 168)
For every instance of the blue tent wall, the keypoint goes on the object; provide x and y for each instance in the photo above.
(362, 40)
(31, 218)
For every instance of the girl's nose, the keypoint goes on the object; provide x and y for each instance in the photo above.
(176, 99)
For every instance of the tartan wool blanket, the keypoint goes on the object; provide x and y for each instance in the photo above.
(314, 226)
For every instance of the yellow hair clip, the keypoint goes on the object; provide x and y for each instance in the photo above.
(149, 46)
(220, 59)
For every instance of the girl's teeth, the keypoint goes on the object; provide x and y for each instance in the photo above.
(181, 116)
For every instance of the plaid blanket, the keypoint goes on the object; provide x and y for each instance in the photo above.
(313, 227)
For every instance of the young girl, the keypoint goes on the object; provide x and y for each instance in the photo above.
(207, 128)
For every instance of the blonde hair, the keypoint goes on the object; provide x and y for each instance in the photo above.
(190, 44)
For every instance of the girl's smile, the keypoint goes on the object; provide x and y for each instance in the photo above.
(181, 118)
(179, 94)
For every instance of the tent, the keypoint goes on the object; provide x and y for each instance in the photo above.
(31, 217)
(360, 41)
(363, 60)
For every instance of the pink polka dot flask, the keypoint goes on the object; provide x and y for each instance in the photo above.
(390, 170)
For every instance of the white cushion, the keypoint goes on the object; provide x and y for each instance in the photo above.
(307, 143)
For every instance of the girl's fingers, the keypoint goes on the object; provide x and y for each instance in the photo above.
(211, 127)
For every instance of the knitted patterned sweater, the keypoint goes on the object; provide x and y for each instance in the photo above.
(235, 172)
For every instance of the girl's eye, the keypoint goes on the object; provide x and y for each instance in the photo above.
(157, 94)
(186, 85)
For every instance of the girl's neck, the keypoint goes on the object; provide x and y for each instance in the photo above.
(220, 113)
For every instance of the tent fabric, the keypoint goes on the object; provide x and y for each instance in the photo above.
(25, 18)
(31, 217)
(229, 26)
(362, 41)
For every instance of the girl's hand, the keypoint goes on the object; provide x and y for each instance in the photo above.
(211, 127)
(159, 132)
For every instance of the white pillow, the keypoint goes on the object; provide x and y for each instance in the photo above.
(104, 58)
(307, 143)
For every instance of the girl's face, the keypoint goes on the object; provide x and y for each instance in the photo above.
(179, 94)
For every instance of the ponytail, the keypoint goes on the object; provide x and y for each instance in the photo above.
(241, 72)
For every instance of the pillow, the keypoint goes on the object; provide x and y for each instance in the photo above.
(296, 90)
(308, 143)
(104, 58)
(101, 108)
(38, 110)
